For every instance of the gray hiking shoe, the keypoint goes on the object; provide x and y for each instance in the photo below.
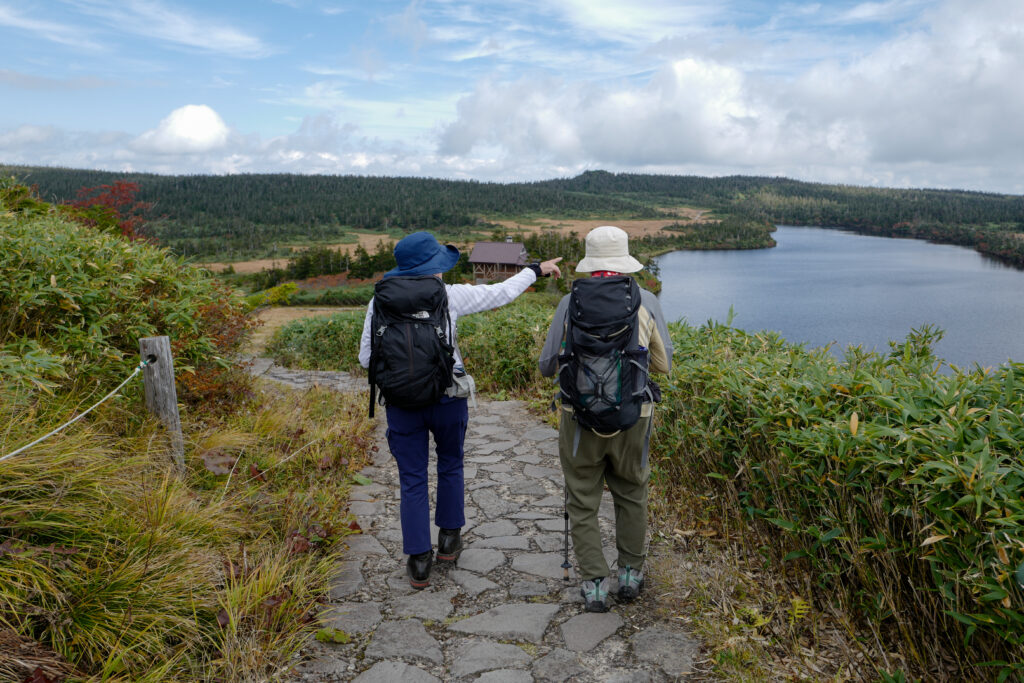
(595, 595)
(631, 582)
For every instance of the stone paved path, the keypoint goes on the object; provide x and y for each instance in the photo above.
(502, 613)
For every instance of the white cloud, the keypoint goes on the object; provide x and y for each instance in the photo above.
(874, 12)
(194, 128)
(688, 110)
(152, 19)
(28, 135)
(631, 21)
(897, 92)
(410, 26)
(52, 31)
(322, 95)
(944, 95)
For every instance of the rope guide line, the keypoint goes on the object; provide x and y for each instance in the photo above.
(70, 422)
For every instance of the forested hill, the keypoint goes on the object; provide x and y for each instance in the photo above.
(781, 200)
(363, 202)
(246, 210)
(990, 223)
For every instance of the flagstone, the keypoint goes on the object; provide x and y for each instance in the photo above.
(511, 622)
(403, 639)
(585, 631)
(475, 656)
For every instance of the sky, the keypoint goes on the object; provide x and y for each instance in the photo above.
(896, 93)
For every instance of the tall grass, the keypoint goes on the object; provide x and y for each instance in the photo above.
(895, 486)
(324, 343)
(500, 347)
(129, 572)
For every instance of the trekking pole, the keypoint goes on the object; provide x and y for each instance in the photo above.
(565, 514)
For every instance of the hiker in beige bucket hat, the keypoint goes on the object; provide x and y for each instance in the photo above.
(606, 337)
(608, 249)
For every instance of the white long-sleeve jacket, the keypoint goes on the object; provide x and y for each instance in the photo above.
(462, 300)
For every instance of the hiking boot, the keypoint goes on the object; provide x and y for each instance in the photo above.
(418, 569)
(631, 582)
(449, 544)
(595, 595)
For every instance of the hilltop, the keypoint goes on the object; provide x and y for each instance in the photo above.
(252, 215)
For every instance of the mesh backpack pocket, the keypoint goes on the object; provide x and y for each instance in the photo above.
(603, 371)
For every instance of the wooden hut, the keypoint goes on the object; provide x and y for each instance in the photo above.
(497, 260)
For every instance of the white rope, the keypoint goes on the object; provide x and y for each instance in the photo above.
(79, 417)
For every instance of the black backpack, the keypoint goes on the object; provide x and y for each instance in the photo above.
(603, 370)
(410, 358)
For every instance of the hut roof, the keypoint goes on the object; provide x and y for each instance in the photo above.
(512, 253)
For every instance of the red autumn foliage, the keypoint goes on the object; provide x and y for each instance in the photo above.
(38, 676)
(111, 207)
(297, 543)
(217, 386)
(256, 473)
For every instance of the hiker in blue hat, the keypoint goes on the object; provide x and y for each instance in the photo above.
(410, 422)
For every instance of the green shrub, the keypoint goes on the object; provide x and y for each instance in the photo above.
(322, 343)
(279, 295)
(288, 294)
(114, 565)
(500, 347)
(334, 296)
(76, 300)
(897, 485)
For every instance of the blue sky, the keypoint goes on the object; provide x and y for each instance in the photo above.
(891, 92)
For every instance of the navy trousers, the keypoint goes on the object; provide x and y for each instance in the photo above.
(408, 440)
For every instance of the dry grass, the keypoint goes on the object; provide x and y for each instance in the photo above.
(756, 623)
(125, 570)
(635, 228)
(368, 240)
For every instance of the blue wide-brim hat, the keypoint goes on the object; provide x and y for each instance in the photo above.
(420, 254)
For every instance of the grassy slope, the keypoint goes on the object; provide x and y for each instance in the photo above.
(113, 565)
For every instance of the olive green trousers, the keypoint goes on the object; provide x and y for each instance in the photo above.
(588, 464)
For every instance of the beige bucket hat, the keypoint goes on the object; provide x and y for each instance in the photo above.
(608, 249)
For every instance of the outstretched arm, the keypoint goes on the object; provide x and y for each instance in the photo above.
(364, 339)
(468, 299)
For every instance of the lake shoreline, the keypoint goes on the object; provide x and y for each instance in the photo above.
(833, 287)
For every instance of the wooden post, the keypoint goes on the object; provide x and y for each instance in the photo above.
(161, 396)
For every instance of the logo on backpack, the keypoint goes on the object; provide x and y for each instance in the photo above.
(603, 370)
(411, 359)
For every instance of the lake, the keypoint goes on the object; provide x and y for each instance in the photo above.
(822, 286)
